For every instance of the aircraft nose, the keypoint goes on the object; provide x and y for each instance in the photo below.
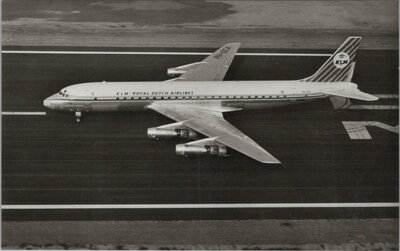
(46, 103)
(49, 101)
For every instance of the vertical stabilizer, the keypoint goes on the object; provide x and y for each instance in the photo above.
(340, 66)
(351, 71)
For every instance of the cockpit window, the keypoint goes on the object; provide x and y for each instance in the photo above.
(63, 93)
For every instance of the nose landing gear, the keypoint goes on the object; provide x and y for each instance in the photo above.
(78, 115)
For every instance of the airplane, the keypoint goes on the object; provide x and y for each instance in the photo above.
(198, 98)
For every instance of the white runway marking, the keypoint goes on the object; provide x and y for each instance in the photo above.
(23, 113)
(358, 129)
(205, 206)
(374, 107)
(163, 53)
(386, 95)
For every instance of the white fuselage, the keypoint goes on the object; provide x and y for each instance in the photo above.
(131, 96)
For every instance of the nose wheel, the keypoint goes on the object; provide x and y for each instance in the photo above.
(78, 116)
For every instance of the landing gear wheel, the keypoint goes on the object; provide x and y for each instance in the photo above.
(78, 116)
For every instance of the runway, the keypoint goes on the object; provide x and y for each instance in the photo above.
(108, 159)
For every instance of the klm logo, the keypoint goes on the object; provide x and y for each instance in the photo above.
(341, 60)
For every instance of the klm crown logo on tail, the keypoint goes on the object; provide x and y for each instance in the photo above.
(341, 60)
(339, 67)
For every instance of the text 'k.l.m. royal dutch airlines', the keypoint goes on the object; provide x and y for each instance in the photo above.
(198, 98)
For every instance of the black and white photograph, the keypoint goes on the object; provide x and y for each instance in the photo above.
(200, 124)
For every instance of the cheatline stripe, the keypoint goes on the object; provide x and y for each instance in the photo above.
(329, 64)
(161, 53)
(201, 206)
(23, 113)
(331, 69)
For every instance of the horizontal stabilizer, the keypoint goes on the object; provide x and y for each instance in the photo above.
(350, 93)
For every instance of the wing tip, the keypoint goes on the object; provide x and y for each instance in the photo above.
(271, 161)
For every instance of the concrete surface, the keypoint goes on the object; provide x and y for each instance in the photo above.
(256, 24)
(267, 234)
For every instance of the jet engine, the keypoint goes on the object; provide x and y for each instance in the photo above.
(177, 71)
(187, 150)
(164, 133)
(172, 72)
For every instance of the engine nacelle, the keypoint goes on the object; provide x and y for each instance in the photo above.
(163, 133)
(172, 72)
(177, 71)
(187, 150)
(218, 150)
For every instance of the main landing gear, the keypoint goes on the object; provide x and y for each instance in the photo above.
(78, 116)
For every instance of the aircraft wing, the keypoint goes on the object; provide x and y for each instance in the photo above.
(213, 67)
(210, 122)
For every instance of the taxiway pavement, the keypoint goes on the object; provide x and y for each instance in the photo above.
(108, 159)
